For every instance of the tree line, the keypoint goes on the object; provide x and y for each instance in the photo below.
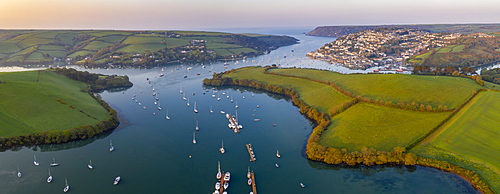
(97, 82)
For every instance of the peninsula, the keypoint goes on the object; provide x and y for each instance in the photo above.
(395, 119)
(110, 48)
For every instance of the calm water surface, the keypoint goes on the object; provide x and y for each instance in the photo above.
(152, 154)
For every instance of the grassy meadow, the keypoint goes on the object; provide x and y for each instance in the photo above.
(321, 96)
(29, 106)
(471, 138)
(427, 90)
(379, 127)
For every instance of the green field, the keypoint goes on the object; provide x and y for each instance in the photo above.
(427, 90)
(112, 38)
(382, 128)
(318, 95)
(29, 106)
(141, 48)
(471, 138)
(96, 45)
(215, 45)
(143, 40)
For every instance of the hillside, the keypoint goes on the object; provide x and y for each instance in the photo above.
(337, 31)
(108, 47)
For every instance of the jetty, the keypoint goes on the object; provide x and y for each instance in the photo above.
(250, 152)
(254, 185)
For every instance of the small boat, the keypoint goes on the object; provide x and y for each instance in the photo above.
(217, 185)
(277, 166)
(195, 110)
(34, 161)
(19, 172)
(227, 176)
(222, 112)
(66, 188)
(197, 128)
(54, 163)
(249, 181)
(222, 150)
(219, 173)
(184, 97)
(167, 117)
(90, 165)
(236, 106)
(117, 180)
(278, 154)
(50, 177)
(211, 111)
(248, 173)
(188, 102)
(194, 137)
(256, 119)
(226, 185)
(258, 106)
(302, 185)
(181, 90)
(111, 148)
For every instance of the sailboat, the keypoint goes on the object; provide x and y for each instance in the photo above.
(50, 177)
(184, 97)
(195, 110)
(111, 148)
(34, 161)
(197, 128)
(54, 163)
(211, 111)
(231, 99)
(248, 173)
(66, 188)
(278, 154)
(188, 102)
(218, 96)
(219, 173)
(117, 180)
(181, 90)
(167, 117)
(19, 172)
(194, 137)
(90, 165)
(236, 106)
(222, 148)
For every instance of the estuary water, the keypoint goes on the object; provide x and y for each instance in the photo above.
(155, 155)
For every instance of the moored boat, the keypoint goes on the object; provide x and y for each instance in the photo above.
(66, 188)
(278, 154)
(226, 185)
(249, 182)
(117, 180)
(90, 165)
(111, 148)
(19, 172)
(34, 161)
(248, 173)
(227, 176)
(54, 163)
(219, 173)
(49, 179)
(222, 150)
(194, 137)
(217, 185)
(302, 185)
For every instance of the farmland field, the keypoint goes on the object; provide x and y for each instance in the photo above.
(318, 95)
(382, 128)
(96, 45)
(143, 40)
(214, 45)
(470, 138)
(141, 48)
(28, 106)
(427, 90)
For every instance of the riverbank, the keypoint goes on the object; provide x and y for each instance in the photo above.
(316, 151)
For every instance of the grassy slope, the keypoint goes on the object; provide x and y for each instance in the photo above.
(382, 128)
(28, 106)
(471, 138)
(314, 94)
(428, 90)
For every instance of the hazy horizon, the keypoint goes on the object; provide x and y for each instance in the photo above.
(226, 14)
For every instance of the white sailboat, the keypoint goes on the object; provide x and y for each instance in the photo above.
(54, 163)
(188, 102)
(19, 172)
(194, 137)
(195, 110)
(66, 188)
(50, 177)
(278, 154)
(222, 150)
(211, 111)
(34, 161)
(218, 96)
(248, 173)
(181, 90)
(167, 117)
(197, 128)
(219, 173)
(90, 165)
(117, 180)
(111, 148)
(236, 106)
(184, 97)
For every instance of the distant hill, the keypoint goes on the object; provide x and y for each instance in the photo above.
(337, 31)
(115, 48)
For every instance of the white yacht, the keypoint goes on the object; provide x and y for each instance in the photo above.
(50, 177)
(90, 165)
(278, 154)
(66, 188)
(194, 137)
(195, 110)
(54, 163)
(227, 176)
(211, 111)
(111, 148)
(226, 185)
(34, 161)
(217, 185)
(167, 117)
(219, 173)
(197, 128)
(249, 181)
(222, 150)
(248, 173)
(236, 106)
(117, 180)
(188, 102)
(19, 172)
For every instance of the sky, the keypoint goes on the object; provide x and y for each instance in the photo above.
(220, 14)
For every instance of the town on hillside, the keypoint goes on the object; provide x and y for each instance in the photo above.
(381, 47)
